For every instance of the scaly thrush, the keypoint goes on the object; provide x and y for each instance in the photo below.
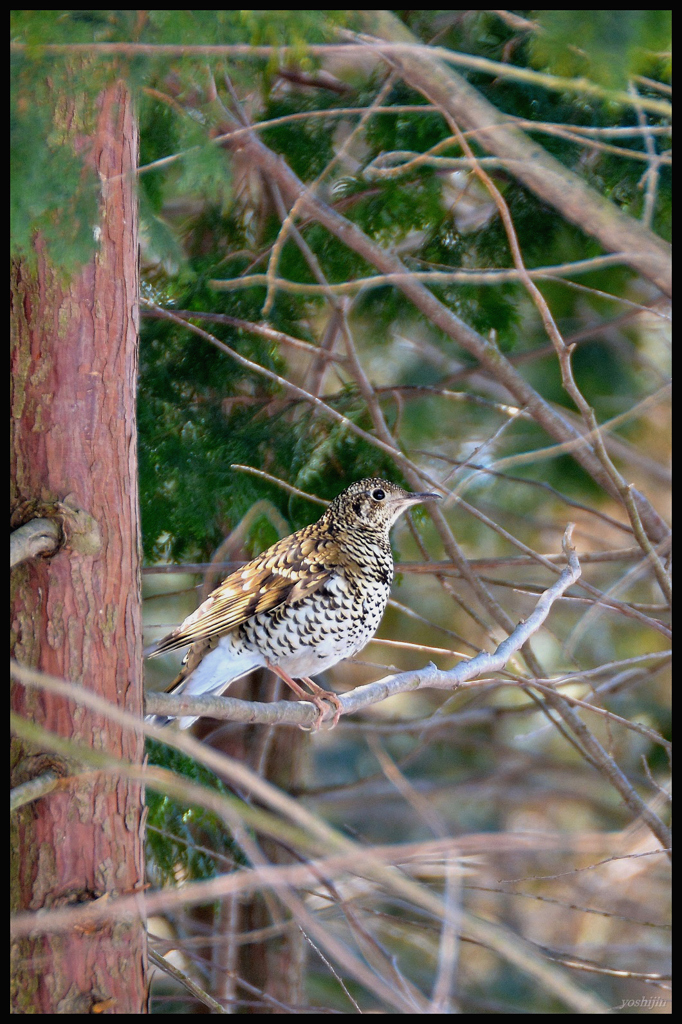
(300, 607)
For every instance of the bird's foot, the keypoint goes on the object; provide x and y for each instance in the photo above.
(321, 697)
(318, 697)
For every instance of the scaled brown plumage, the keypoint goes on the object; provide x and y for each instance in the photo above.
(289, 571)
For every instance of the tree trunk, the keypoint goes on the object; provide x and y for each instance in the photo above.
(76, 615)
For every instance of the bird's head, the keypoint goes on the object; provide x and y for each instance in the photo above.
(373, 504)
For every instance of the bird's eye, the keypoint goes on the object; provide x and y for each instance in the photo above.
(378, 494)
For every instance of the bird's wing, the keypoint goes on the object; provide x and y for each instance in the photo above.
(285, 573)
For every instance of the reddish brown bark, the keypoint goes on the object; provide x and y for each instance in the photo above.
(77, 614)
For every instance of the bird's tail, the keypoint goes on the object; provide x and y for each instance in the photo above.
(211, 675)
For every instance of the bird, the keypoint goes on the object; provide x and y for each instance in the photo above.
(301, 606)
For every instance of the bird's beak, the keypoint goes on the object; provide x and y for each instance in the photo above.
(416, 499)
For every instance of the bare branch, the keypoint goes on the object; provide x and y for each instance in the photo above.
(39, 537)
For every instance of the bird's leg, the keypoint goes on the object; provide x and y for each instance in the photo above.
(317, 697)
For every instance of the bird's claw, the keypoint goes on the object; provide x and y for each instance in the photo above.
(322, 704)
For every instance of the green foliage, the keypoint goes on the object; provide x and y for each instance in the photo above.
(54, 191)
(190, 27)
(607, 46)
(199, 413)
(390, 211)
(36, 28)
(415, 131)
(307, 144)
(188, 443)
(177, 833)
